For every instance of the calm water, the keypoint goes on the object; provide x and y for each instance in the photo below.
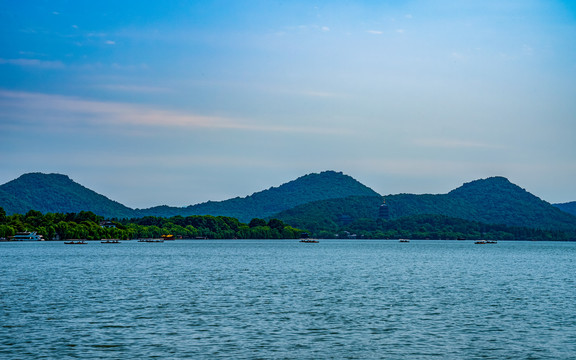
(286, 300)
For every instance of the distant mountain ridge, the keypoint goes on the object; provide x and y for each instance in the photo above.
(323, 199)
(307, 188)
(58, 193)
(569, 207)
(493, 200)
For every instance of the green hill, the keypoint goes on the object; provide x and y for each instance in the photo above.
(305, 189)
(12, 204)
(493, 201)
(324, 201)
(56, 193)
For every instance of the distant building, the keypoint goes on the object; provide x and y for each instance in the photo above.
(107, 224)
(383, 211)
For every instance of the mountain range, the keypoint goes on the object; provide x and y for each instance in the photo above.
(492, 201)
(322, 198)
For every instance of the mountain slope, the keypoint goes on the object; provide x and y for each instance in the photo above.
(12, 204)
(569, 207)
(305, 189)
(324, 200)
(56, 193)
(494, 201)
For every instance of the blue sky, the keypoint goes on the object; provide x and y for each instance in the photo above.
(181, 102)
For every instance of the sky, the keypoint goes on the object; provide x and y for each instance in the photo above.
(181, 102)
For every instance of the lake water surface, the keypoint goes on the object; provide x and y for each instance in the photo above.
(279, 299)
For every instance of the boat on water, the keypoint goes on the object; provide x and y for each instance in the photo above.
(480, 242)
(110, 241)
(305, 238)
(309, 241)
(76, 242)
(404, 240)
(26, 236)
(151, 240)
(491, 242)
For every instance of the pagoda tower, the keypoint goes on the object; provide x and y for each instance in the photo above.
(383, 211)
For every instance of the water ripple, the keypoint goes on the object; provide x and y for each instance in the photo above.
(282, 300)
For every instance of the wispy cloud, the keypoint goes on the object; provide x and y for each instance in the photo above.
(59, 111)
(375, 32)
(43, 64)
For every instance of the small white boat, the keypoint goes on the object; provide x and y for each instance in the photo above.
(27, 236)
(111, 241)
(151, 240)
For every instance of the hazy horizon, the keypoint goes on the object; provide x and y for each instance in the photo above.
(193, 101)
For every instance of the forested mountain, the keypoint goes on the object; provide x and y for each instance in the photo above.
(305, 189)
(494, 201)
(59, 194)
(325, 201)
(569, 207)
(56, 193)
(13, 204)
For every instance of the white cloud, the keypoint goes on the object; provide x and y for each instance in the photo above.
(110, 42)
(375, 32)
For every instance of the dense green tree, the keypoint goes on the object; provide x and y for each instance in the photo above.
(2, 215)
(66, 226)
(257, 222)
(276, 224)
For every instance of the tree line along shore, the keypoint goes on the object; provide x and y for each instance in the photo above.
(89, 226)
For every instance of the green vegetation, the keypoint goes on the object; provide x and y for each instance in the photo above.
(490, 201)
(494, 201)
(87, 225)
(358, 215)
(322, 204)
(57, 194)
(444, 227)
(312, 187)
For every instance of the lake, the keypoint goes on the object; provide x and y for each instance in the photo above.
(281, 299)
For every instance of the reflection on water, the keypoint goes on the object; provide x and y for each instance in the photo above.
(287, 300)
